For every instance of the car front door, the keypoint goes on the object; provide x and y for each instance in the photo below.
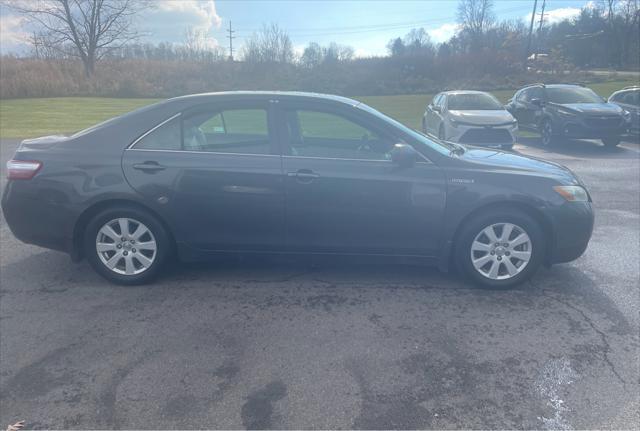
(215, 174)
(345, 195)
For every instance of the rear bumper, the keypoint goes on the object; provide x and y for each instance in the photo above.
(572, 225)
(36, 219)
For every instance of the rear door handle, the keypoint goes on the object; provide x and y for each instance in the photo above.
(303, 176)
(149, 166)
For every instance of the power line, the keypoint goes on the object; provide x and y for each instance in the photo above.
(318, 31)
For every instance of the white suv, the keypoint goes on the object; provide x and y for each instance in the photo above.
(470, 117)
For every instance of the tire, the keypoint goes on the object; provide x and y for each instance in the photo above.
(472, 233)
(547, 133)
(441, 135)
(131, 265)
(611, 142)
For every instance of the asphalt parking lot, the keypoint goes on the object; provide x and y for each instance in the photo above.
(273, 343)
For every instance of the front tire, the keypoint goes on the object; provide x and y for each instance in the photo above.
(500, 249)
(611, 142)
(126, 245)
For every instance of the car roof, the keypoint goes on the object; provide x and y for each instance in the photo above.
(239, 95)
(464, 92)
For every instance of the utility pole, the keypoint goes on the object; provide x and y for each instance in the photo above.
(230, 37)
(535, 56)
(533, 17)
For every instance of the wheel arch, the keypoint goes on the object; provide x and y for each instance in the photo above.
(77, 252)
(544, 222)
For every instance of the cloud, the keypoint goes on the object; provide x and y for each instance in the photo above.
(444, 32)
(13, 36)
(553, 16)
(169, 19)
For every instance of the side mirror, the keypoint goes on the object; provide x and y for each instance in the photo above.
(436, 108)
(404, 155)
(537, 102)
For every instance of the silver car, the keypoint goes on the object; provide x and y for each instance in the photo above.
(470, 117)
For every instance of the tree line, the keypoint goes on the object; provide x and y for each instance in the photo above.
(484, 53)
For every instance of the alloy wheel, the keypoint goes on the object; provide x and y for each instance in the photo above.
(501, 251)
(547, 133)
(126, 246)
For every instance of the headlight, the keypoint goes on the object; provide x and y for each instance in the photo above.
(626, 114)
(572, 193)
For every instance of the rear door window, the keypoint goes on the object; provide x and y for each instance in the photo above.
(236, 130)
(167, 136)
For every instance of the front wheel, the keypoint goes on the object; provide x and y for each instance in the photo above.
(126, 245)
(500, 249)
(611, 142)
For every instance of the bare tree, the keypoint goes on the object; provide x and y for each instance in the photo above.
(476, 16)
(270, 45)
(91, 27)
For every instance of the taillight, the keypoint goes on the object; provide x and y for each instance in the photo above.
(22, 169)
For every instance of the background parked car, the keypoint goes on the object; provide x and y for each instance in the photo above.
(470, 117)
(629, 99)
(568, 111)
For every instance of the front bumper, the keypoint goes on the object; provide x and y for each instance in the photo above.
(580, 128)
(572, 225)
(483, 136)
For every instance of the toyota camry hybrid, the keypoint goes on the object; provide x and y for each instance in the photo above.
(282, 172)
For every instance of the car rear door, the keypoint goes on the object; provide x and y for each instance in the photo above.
(345, 195)
(215, 173)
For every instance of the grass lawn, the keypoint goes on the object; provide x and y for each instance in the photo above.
(24, 118)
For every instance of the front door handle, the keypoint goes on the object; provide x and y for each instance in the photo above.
(149, 166)
(303, 176)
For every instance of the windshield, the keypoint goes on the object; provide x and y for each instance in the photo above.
(564, 95)
(441, 147)
(473, 102)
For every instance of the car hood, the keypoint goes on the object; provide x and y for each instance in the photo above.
(483, 117)
(593, 108)
(504, 160)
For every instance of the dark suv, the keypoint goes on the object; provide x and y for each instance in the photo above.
(629, 99)
(568, 111)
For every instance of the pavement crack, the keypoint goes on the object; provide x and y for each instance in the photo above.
(594, 327)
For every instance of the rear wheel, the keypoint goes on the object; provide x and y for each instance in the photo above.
(611, 142)
(126, 245)
(547, 133)
(500, 249)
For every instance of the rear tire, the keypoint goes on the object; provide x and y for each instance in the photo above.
(611, 142)
(513, 261)
(547, 133)
(135, 256)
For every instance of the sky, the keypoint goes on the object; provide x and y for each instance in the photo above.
(366, 26)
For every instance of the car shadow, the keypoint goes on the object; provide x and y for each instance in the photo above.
(581, 148)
